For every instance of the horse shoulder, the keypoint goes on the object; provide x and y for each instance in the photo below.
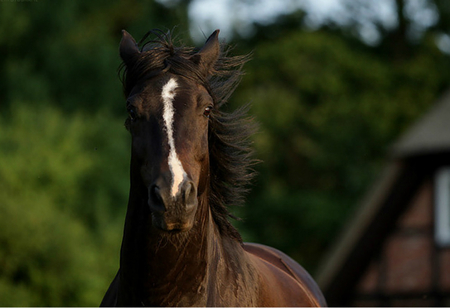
(110, 298)
(286, 269)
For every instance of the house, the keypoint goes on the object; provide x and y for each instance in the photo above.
(396, 249)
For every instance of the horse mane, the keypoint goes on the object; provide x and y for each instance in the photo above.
(230, 153)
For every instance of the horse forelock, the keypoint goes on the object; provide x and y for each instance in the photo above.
(157, 57)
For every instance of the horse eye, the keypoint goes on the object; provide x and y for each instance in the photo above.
(207, 111)
(131, 112)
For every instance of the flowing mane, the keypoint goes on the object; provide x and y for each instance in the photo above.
(229, 133)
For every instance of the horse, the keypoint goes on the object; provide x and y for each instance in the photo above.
(190, 160)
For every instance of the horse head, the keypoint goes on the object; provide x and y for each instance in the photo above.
(168, 121)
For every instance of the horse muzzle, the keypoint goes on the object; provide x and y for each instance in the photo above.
(173, 213)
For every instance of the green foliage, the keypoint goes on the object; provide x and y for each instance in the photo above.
(63, 192)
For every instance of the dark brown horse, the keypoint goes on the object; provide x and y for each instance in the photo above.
(189, 161)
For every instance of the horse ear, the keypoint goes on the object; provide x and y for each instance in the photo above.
(128, 47)
(207, 56)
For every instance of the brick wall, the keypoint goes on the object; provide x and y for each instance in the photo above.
(409, 270)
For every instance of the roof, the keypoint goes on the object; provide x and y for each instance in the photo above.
(431, 134)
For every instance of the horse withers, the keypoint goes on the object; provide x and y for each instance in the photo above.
(189, 161)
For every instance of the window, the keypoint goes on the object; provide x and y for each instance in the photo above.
(442, 206)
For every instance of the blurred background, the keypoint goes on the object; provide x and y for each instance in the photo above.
(332, 84)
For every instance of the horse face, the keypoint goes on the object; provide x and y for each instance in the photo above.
(168, 122)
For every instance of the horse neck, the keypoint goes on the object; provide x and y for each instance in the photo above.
(156, 269)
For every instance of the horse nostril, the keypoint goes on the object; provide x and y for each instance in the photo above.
(156, 198)
(190, 194)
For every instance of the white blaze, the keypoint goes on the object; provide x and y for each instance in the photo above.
(175, 166)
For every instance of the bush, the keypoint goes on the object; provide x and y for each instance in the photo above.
(63, 192)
